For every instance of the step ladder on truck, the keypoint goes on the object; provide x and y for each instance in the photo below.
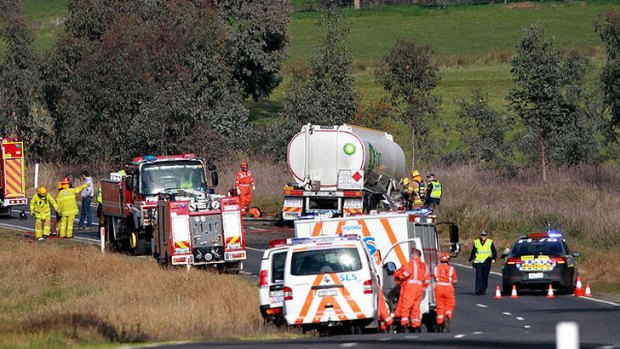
(389, 238)
(12, 176)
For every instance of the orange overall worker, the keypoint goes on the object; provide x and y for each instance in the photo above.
(414, 279)
(67, 207)
(244, 182)
(445, 277)
(385, 318)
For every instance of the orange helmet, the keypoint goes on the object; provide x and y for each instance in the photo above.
(444, 257)
(244, 164)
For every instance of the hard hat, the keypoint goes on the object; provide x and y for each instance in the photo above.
(484, 233)
(42, 191)
(415, 173)
(59, 186)
(66, 181)
(444, 257)
(406, 181)
(244, 164)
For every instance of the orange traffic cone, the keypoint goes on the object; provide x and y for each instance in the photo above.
(579, 288)
(498, 293)
(550, 292)
(514, 292)
(588, 291)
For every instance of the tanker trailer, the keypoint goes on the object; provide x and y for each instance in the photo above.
(330, 165)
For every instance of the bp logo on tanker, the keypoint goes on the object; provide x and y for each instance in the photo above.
(349, 149)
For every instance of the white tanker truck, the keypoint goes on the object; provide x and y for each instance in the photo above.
(338, 170)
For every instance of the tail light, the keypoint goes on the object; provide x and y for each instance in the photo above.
(353, 194)
(368, 287)
(288, 293)
(558, 260)
(513, 260)
(263, 279)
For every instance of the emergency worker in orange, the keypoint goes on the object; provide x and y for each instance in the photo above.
(445, 279)
(67, 207)
(244, 182)
(414, 279)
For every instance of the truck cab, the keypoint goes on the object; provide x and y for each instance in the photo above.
(12, 180)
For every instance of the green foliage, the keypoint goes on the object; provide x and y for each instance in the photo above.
(258, 42)
(148, 77)
(324, 92)
(483, 130)
(409, 73)
(609, 30)
(20, 86)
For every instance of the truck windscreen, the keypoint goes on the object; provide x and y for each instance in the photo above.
(172, 176)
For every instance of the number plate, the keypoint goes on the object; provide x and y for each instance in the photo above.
(327, 293)
(276, 296)
(536, 275)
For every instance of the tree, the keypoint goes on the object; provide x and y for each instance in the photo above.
(410, 73)
(322, 93)
(482, 129)
(537, 100)
(608, 29)
(257, 43)
(20, 94)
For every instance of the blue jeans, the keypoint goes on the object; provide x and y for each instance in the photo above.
(85, 212)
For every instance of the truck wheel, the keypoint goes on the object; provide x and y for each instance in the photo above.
(141, 246)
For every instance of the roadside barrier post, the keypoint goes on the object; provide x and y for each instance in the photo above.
(102, 238)
(567, 335)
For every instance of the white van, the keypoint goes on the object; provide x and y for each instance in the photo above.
(271, 282)
(329, 281)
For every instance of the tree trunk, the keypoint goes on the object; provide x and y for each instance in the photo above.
(412, 146)
(543, 159)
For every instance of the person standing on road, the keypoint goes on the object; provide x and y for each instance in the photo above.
(244, 182)
(41, 212)
(414, 279)
(433, 192)
(87, 199)
(445, 279)
(482, 255)
(67, 206)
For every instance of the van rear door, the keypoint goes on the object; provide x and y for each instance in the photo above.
(328, 283)
(271, 282)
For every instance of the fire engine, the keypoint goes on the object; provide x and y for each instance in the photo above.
(12, 180)
(166, 201)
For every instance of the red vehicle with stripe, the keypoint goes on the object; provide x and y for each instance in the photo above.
(163, 205)
(12, 175)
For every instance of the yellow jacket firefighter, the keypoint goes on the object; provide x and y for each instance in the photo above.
(40, 206)
(67, 203)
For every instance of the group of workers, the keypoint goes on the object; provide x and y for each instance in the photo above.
(65, 205)
(418, 194)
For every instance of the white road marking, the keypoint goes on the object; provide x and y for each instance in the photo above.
(348, 345)
(77, 219)
(254, 249)
(520, 318)
(506, 313)
(469, 267)
(600, 301)
(482, 305)
(410, 337)
(17, 227)
(257, 229)
(384, 339)
(477, 332)
(527, 326)
(459, 336)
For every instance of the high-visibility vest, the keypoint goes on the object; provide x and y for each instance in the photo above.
(436, 192)
(445, 275)
(482, 251)
(99, 198)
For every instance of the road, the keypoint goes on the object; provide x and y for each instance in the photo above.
(480, 321)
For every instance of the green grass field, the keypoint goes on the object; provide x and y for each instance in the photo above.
(473, 43)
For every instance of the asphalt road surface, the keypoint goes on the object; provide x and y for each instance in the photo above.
(480, 321)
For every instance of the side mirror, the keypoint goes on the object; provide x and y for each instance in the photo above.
(214, 176)
(390, 268)
(576, 254)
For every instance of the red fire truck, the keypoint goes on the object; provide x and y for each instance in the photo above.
(165, 202)
(12, 175)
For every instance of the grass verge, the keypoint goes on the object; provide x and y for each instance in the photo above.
(64, 294)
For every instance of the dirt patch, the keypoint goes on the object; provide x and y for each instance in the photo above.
(520, 5)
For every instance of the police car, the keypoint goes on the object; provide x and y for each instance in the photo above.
(537, 260)
(328, 282)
